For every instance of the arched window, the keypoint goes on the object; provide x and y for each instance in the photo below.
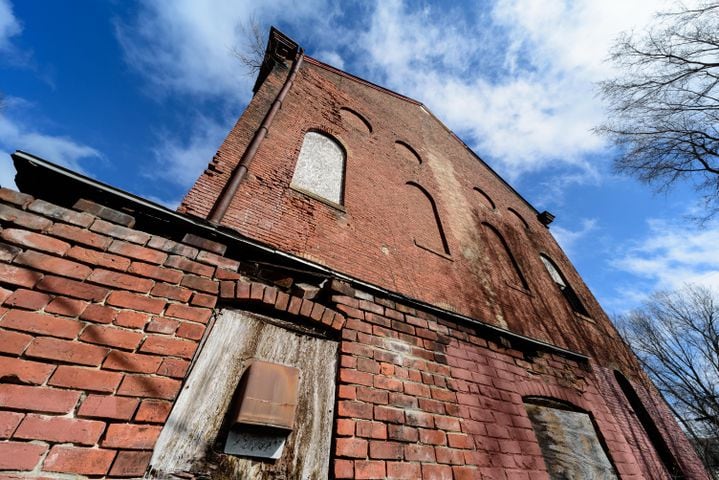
(569, 295)
(423, 220)
(645, 419)
(506, 262)
(320, 167)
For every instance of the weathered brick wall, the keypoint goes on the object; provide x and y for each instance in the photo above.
(99, 322)
(421, 397)
(370, 238)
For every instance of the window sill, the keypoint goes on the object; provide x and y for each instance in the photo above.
(314, 196)
(432, 250)
(584, 317)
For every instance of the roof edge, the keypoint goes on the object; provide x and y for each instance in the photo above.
(31, 170)
(362, 81)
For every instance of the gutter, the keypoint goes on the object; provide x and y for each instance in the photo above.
(38, 176)
(219, 208)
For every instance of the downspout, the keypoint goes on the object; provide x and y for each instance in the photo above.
(238, 174)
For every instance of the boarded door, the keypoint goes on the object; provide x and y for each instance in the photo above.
(190, 443)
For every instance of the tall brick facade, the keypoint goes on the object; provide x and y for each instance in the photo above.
(427, 280)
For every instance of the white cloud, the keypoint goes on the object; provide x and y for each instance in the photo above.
(186, 46)
(17, 135)
(674, 254)
(330, 57)
(9, 25)
(180, 160)
(568, 238)
(536, 108)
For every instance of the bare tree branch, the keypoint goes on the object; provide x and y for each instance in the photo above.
(252, 53)
(676, 338)
(664, 105)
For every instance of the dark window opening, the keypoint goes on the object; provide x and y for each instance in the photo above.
(569, 294)
(650, 428)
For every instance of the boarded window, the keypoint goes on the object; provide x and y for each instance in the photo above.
(195, 437)
(569, 294)
(423, 219)
(569, 441)
(320, 167)
(503, 257)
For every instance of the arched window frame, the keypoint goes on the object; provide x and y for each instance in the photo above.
(438, 223)
(487, 198)
(359, 117)
(305, 189)
(515, 214)
(407, 148)
(558, 278)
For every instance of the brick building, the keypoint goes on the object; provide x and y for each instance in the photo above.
(347, 291)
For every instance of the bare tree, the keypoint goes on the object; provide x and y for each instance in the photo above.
(252, 53)
(664, 103)
(675, 335)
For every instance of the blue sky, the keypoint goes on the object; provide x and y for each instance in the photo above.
(139, 94)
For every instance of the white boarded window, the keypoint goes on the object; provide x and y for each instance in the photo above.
(320, 167)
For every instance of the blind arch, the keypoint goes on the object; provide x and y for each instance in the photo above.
(505, 259)
(425, 223)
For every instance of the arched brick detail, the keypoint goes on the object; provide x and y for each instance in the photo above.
(537, 389)
(255, 292)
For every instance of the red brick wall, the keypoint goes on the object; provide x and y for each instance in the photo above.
(99, 322)
(419, 397)
(371, 239)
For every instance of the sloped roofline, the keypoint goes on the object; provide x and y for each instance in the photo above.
(44, 179)
(281, 47)
(424, 107)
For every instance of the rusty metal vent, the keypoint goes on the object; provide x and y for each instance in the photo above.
(264, 411)
(268, 396)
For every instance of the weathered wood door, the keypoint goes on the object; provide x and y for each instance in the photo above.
(190, 443)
